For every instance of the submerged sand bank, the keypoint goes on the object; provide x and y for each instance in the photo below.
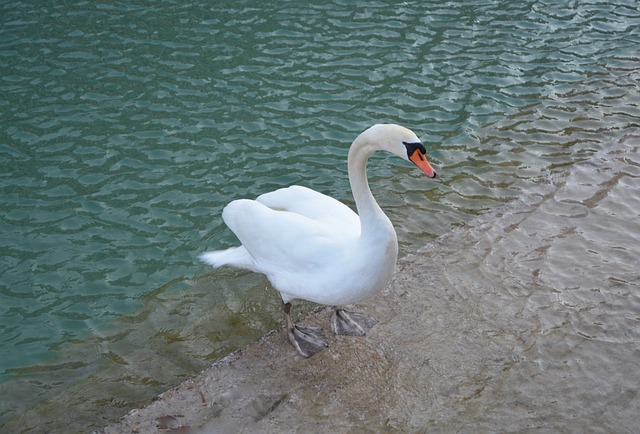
(528, 319)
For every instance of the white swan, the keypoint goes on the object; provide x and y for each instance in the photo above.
(312, 247)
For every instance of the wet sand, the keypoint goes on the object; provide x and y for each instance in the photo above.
(480, 331)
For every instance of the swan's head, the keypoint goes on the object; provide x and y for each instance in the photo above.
(402, 142)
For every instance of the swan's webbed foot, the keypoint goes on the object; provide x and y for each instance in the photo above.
(306, 340)
(348, 323)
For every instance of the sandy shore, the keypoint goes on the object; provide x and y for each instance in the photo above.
(522, 321)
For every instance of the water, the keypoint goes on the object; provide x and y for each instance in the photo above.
(126, 128)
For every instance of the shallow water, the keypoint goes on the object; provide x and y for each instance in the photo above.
(479, 331)
(550, 290)
(126, 128)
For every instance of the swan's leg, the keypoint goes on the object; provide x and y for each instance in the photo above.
(348, 323)
(307, 340)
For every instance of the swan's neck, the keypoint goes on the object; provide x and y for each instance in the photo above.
(373, 221)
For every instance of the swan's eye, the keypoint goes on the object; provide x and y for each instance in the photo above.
(413, 147)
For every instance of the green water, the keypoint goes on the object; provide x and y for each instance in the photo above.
(127, 127)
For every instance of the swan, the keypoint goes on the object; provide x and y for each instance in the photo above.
(312, 247)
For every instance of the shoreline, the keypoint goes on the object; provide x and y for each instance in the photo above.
(523, 320)
(266, 386)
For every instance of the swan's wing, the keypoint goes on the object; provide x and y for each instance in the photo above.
(324, 209)
(281, 241)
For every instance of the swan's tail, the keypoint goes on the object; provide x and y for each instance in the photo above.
(236, 257)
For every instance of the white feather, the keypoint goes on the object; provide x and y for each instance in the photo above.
(311, 246)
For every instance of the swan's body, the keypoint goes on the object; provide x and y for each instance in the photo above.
(312, 247)
(309, 246)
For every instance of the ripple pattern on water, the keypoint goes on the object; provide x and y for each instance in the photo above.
(126, 129)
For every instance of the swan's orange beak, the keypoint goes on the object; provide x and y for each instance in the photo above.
(420, 160)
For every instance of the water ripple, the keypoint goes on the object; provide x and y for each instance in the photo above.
(127, 128)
